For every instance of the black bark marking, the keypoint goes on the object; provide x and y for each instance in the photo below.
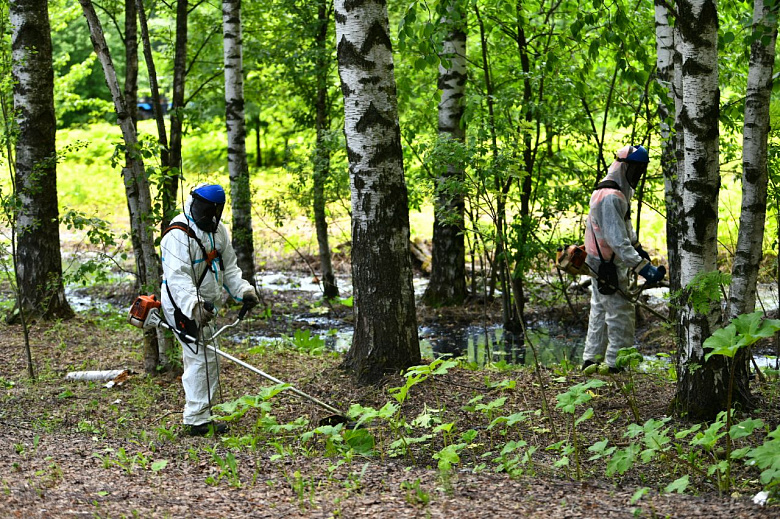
(359, 183)
(349, 56)
(376, 35)
(346, 90)
(353, 156)
(373, 80)
(340, 17)
(373, 117)
(390, 151)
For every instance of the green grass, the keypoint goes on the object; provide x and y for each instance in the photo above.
(87, 182)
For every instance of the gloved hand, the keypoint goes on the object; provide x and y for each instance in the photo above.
(642, 252)
(250, 297)
(203, 312)
(653, 274)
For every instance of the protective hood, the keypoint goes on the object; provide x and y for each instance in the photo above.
(617, 172)
(204, 206)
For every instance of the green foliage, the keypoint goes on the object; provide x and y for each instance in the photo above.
(767, 458)
(743, 331)
(306, 342)
(705, 289)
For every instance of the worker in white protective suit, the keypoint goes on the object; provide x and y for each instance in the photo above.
(613, 249)
(198, 263)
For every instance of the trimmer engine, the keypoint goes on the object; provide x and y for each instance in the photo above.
(145, 312)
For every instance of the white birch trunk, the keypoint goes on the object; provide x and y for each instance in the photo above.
(385, 338)
(447, 285)
(700, 390)
(742, 296)
(238, 168)
(670, 104)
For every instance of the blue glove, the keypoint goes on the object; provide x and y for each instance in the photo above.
(642, 252)
(652, 274)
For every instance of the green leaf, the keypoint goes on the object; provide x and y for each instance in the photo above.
(678, 485)
(587, 415)
(159, 465)
(745, 428)
(622, 460)
(722, 342)
(639, 494)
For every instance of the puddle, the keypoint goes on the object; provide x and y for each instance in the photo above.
(81, 302)
(285, 281)
(479, 345)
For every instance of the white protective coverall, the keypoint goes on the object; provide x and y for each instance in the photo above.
(611, 324)
(183, 263)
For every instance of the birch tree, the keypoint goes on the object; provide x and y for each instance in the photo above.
(701, 387)
(238, 169)
(447, 285)
(668, 67)
(136, 184)
(385, 338)
(744, 272)
(742, 295)
(38, 260)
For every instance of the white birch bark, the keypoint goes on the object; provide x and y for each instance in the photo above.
(385, 338)
(238, 167)
(744, 272)
(669, 104)
(700, 387)
(447, 285)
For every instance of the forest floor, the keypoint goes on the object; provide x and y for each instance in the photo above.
(78, 449)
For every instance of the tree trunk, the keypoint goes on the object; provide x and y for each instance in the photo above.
(385, 338)
(526, 185)
(447, 285)
(131, 99)
(38, 261)
(238, 169)
(669, 68)
(744, 272)
(322, 153)
(742, 295)
(501, 191)
(136, 183)
(169, 204)
(177, 106)
(702, 386)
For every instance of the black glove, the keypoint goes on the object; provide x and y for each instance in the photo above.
(249, 297)
(642, 252)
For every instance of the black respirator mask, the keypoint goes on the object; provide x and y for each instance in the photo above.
(205, 214)
(634, 172)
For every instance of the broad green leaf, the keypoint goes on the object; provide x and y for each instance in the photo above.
(159, 465)
(678, 485)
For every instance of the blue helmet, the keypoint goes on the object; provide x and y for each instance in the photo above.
(639, 155)
(214, 193)
(207, 204)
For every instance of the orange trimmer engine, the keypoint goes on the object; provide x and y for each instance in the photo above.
(571, 259)
(141, 308)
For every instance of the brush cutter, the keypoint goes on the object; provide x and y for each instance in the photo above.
(145, 313)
